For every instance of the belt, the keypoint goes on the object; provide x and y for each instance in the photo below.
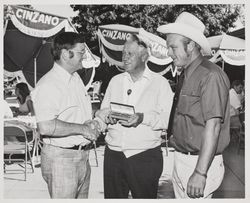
(193, 153)
(188, 153)
(79, 147)
(76, 147)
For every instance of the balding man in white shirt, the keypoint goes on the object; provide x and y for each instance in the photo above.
(133, 158)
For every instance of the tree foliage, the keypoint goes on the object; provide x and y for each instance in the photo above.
(217, 18)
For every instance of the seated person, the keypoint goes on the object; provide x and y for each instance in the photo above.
(24, 99)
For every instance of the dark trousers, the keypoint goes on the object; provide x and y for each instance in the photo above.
(139, 174)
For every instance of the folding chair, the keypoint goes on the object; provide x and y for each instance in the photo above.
(235, 126)
(16, 142)
(241, 141)
(96, 88)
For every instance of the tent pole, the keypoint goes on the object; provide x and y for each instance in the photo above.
(223, 63)
(35, 69)
(5, 26)
(35, 61)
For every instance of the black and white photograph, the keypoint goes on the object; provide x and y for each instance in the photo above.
(124, 100)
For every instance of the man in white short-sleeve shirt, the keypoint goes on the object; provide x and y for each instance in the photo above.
(235, 91)
(62, 108)
(133, 158)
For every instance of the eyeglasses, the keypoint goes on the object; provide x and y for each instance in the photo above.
(80, 52)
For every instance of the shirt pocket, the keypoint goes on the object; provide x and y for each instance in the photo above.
(189, 103)
(69, 110)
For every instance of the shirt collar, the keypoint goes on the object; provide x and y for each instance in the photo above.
(62, 73)
(192, 66)
(146, 74)
(234, 90)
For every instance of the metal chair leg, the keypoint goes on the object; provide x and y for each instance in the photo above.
(25, 162)
(96, 159)
(31, 160)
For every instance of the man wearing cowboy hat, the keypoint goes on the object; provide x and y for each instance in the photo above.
(201, 118)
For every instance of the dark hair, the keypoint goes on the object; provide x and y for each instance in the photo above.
(23, 90)
(134, 38)
(65, 40)
(236, 83)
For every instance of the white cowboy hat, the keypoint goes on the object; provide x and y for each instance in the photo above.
(189, 26)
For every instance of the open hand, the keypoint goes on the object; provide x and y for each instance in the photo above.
(104, 115)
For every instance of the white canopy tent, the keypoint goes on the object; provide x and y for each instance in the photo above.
(28, 35)
(231, 49)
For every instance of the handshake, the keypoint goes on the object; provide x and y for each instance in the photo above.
(91, 130)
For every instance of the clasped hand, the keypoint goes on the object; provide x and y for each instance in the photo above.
(91, 130)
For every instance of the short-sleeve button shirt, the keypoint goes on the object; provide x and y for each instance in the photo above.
(62, 95)
(204, 95)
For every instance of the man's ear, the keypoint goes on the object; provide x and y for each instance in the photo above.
(144, 55)
(190, 46)
(66, 54)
